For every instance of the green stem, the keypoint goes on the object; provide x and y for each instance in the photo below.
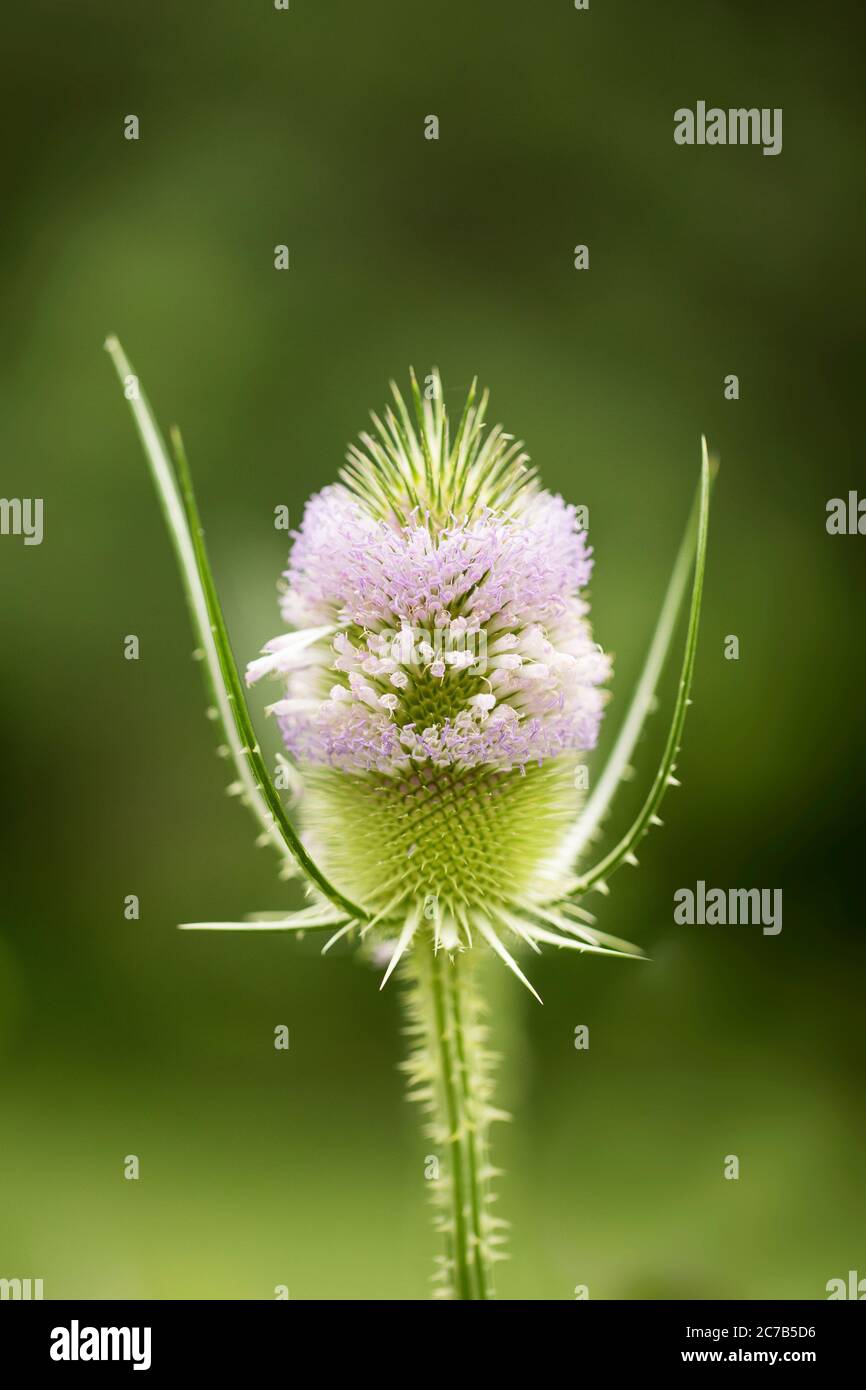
(452, 1102)
(448, 1071)
(474, 1123)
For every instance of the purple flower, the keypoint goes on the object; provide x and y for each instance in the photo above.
(463, 643)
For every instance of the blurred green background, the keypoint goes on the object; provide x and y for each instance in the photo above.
(259, 127)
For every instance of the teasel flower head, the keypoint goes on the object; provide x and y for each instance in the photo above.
(440, 679)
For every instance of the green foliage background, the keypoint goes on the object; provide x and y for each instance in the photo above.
(258, 128)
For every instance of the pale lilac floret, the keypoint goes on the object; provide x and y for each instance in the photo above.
(486, 613)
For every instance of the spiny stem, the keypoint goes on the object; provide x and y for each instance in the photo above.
(449, 1073)
(474, 1125)
(453, 1095)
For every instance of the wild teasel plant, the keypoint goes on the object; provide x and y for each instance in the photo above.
(440, 687)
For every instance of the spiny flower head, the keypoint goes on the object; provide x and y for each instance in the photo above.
(440, 676)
